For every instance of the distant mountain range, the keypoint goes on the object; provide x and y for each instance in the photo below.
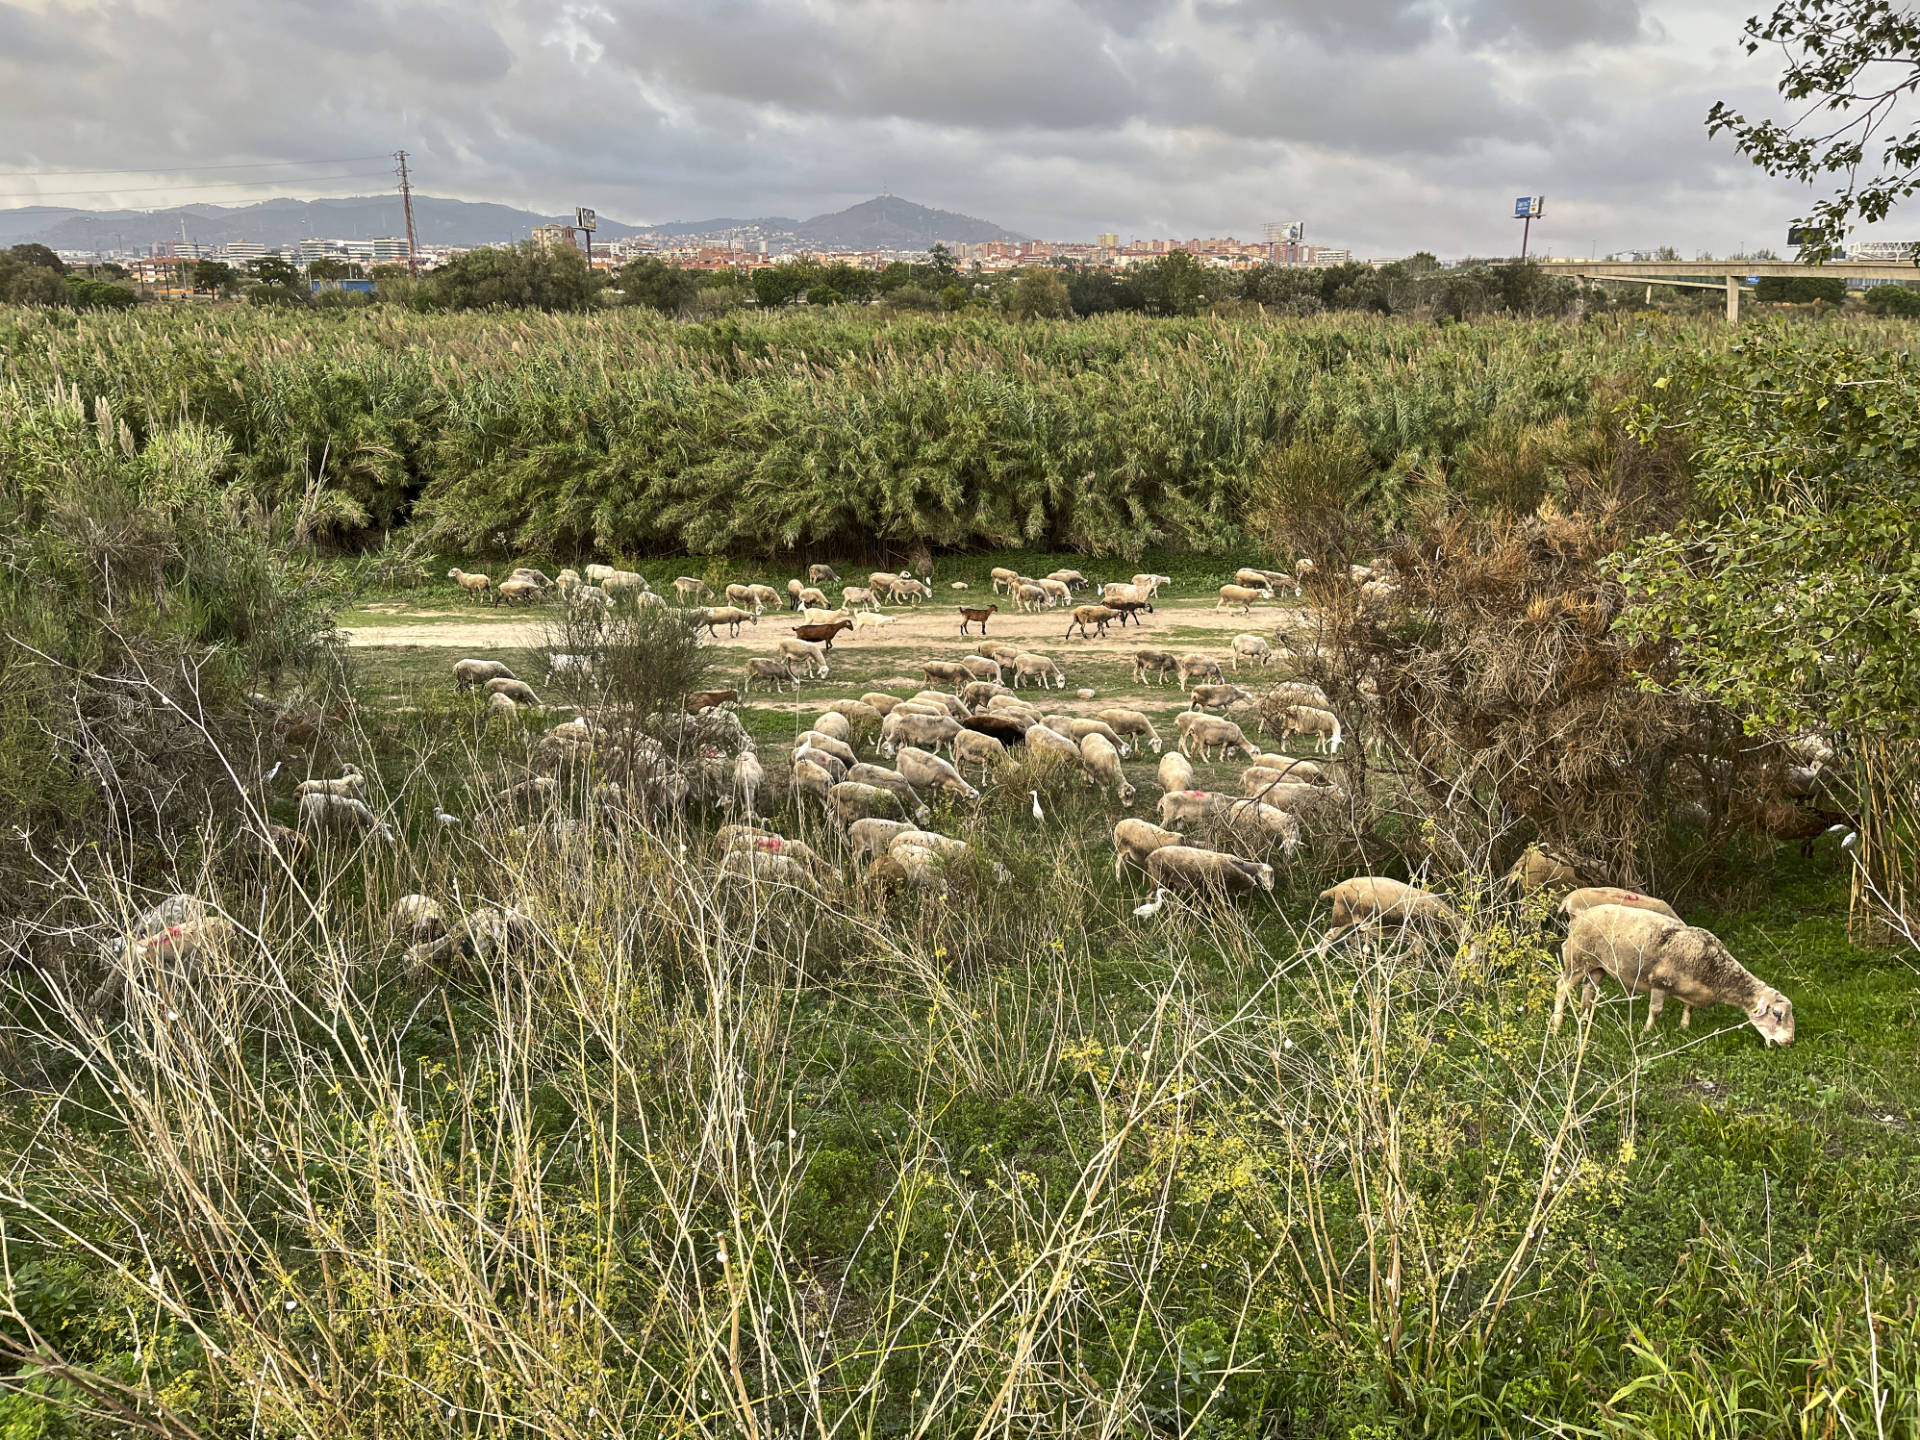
(885, 222)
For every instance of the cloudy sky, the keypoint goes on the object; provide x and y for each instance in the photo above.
(1386, 125)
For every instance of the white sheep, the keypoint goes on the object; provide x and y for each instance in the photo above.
(1135, 839)
(469, 673)
(1152, 667)
(776, 673)
(1198, 667)
(1100, 763)
(1131, 723)
(1323, 725)
(1196, 871)
(1175, 772)
(351, 783)
(1209, 732)
(810, 653)
(1654, 953)
(1245, 596)
(1029, 666)
(1251, 648)
(926, 771)
(517, 691)
(560, 664)
(474, 585)
(970, 747)
(686, 588)
(1079, 727)
(904, 727)
(834, 723)
(326, 813)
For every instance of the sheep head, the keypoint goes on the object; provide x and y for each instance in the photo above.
(1772, 1015)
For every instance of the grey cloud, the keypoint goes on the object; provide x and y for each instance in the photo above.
(1551, 24)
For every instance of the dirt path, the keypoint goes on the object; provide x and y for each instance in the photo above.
(935, 624)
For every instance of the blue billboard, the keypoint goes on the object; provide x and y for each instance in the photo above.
(1528, 207)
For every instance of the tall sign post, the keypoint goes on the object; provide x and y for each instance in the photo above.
(585, 220)
(1528, 208)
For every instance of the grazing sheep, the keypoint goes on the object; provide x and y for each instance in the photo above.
(1374, 900)
(858, 712)
(748, 775)
(768, 842)
(1072, 579)
(958, 585)
(856, 595)
(1654, 953)
(765, 668)
(881, 581)
(419, 917)
(731, 616)
(1209, 732)
(528, 573)
(469, 673)
(1028, 666)
(811, 598)
(909, 592)
(1252, 649)
(599, 574)
(1150, 583)
(946, 672)
(475, 586)
(1152, 667)
(686, 588)
(925, 771)
(949, 703)
(1180, 808)
(1131, 723)
(1134, 840)
(970, 747)
(1078, 727)
(815, 740)
(764, 596)
(1003, 579)
(517, 691)
(1015, 708)
(524, 592)
(1195, 871)
(1100, 763)
(807, 653)
(1584, 899)
(1042, 740)
(741, 595)
(1175, 772)
(1219, 697)
(624, 582)
(1279, 770)
(1029, 598)
(880, 701)
(825, 759)
(850, 801)
(1299, 692)
(1252, 819)
(1098, 616)
(351, 783)
(1323, 725)
(930, 731)
(1199, 667)
(970, 615)
(882, 778)
(1058, 592)
(822, 575)
(810, 777)
(762, 868)
(834, 723)
(1254, 579)
(501, 704)
(324, 813)
(873, 836)
(561, 664)
(1542, 867)
(1245, 596)
(1008, 730)
(981, 669)
(999, 652)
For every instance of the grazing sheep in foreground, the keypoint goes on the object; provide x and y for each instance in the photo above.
(523, 592)
(1219, 697)
(853, 596)
(1098, 616)
(1041, 740)
(1131, 723)
(766, 842)
(858, 713)
(999, 652)
(1181, 808)
(1003, 579)
(419, 917)
(762, 868)
(1654, 953)
(909, 592)
(1375, 900)
(1152, 667)
(1028, 666)
(1100, 763)
(809, 653)
(324, 813)
(1301, 800)
(873, 836)
(475, 586)
(771, 671)
(1028, 598)
(1078, 727)
(834, 723)
(1198, 667)
(686, 588)
(925, 771)
(880, 701)
(1195, 871)
(1578, 902)
(816, 740)
(748, 775)
(813, 599)
(1209, 733)
(1542, 867)
(517, 691)
(1245, 596)
(351, 783)
(946, 672)
(891, 781)
(905, 728)
(1252, 649)
(1175, 772)
(1299, 692)
(469, 673)
(1134, 840)
(981, 668)
(1251, 818)
(823, 759)
(810, 777)
(970, 747)
(850, 801)
(1323, 725)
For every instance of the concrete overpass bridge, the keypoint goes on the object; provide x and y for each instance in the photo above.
(1713, 274)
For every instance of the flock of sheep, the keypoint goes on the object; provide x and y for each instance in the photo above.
(880, 814)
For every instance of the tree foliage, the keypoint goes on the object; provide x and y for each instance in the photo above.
(1850, 66)
(522, 277)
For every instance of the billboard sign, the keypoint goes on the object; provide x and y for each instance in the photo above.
(1529, 207)
(584, 219)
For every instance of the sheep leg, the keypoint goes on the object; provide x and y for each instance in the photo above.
(1560, 994)
(1686, 1016)
(1656, 1001)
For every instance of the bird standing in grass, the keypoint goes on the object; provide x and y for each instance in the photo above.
(1039, 815)
(443, 817)
(1153, 906)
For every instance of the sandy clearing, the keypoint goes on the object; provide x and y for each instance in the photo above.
(932, 624)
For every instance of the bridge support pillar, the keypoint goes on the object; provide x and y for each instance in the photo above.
(1733, 299)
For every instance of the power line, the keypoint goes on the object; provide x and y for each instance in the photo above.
(283, 181)
(183, 169)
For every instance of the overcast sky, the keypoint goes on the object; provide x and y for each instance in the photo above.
(1384, 125)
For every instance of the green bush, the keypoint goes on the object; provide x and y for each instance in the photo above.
(1902, 300)
(1801, 289)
